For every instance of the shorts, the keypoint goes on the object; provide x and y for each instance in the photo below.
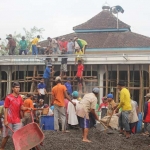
(80, 80)
(27, 118)
(63, 67)
(56, 51)
(7, 132)
(83, 122)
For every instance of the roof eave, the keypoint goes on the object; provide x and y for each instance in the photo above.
(101, 30)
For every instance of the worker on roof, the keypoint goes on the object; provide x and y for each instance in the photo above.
(34, 43)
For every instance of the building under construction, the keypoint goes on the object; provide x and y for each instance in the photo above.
(113, 54)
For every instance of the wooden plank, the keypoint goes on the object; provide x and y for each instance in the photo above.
(0, 83)
(149, 77)
(141, 89)
(106, 71)
(117, 98)
(128, 73)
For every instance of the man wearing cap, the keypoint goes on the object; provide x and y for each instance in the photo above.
(46, 75)
(111, 104)
(59, 93)
(84, 108)
(11, 45)
(146, 118)
(68, 86)
(125, 104)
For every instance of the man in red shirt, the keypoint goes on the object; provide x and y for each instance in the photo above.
(79, 76)
(63, 44)
(13, 105)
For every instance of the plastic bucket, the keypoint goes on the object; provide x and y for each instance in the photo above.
(139, 124)
(47, 122)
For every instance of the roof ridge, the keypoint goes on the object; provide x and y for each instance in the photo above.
(103, 20)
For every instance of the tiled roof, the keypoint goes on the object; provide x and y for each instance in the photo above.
(110, 39)
(103, 20)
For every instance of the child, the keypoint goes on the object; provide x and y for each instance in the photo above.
(103, 107)
(79, 54)
(63, 67)
(72, 117)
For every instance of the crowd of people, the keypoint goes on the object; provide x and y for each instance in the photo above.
(55, 46)
(72, 112)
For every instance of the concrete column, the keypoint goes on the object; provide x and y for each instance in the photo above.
(101, 72)
(9, 79)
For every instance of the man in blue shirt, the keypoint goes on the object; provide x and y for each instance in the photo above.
(46, 76)
(41, 90)
(69, 86)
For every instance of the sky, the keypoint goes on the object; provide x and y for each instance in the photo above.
(58, 17)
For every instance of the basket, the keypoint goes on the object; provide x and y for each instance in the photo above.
(45, 111)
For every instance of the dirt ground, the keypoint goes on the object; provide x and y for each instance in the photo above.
(100, 141)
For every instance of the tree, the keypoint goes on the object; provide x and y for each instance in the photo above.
(29, 35)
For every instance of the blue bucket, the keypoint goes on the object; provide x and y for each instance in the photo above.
(139, 124)
(47, 122)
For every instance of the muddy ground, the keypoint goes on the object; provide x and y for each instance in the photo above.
(100, 141)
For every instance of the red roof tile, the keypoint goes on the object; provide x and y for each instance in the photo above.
(103, 20)
(110, 39)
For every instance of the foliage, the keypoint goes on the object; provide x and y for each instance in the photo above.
(29, 35)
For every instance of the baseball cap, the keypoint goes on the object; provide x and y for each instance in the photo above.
(58, 78)
(75, 94)
(121, 83)
(110, 96)
(96, 90)
(147, 95)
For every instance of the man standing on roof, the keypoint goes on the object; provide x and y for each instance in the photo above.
(46, 76)
(125, 104)
(86, 109)
(13, 105)
(82, 43)
(63, 44)
(34, 43)
(59, 93)
(70, 47)
(23, 46)
(11, 45)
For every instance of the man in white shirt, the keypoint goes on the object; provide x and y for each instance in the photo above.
(85, 110)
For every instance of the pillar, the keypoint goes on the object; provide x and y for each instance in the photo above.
(101, 72)
(9, 79)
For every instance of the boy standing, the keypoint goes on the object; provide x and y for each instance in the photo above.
(63, 67)
(34, 45)
(13, 105)
(79, 54)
